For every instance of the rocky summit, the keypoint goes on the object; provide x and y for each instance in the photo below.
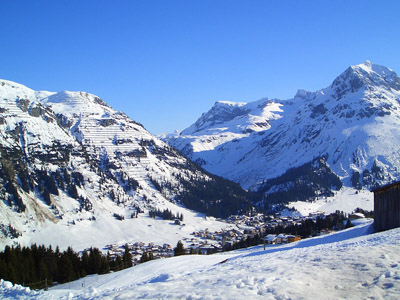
(347, 134)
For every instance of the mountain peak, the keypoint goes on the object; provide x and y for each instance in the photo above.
(368, 67)
(340, 120)
(367, 63)
(71, 103)
(222, 111)
(229, 103)
(366, 75)
(303, 94)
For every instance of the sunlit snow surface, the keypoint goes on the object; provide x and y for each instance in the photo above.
(109, 136)
(354, 123)
(346, 200)
(352, 264)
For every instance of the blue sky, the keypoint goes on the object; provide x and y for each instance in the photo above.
(164, 63)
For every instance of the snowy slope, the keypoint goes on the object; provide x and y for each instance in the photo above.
(76, 172)
(354, 124)
(352, 264)
(346, 200)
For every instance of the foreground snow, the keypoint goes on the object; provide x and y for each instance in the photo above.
(352, 264)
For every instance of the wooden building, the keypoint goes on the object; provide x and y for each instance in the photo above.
(293, 238)
(387, 207)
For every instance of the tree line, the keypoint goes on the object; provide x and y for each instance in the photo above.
(29, 265)
(310, 227)
(166, 214)
(308, 181)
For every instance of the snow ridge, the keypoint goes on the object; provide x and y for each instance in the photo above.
(354, 123)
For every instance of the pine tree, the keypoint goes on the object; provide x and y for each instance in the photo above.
(348, 224)
(86, 262)
(95, 261)
(151, 256)
(46, 196)
(144, 257)
(105, 266)
(72, 191)
(66, 269)
(179, 249)
(119, 265)
(127, 257)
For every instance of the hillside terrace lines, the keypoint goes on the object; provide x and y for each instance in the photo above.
(123, 147)
(72, 102)
(116, 139)
(102, 129)
(12, 110)
(119, 144)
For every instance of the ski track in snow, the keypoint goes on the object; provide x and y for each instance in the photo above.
(352, 264)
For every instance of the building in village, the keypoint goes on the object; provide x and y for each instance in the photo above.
(270, 239)
(387, 207)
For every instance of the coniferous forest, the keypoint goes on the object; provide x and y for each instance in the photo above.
(39, 266)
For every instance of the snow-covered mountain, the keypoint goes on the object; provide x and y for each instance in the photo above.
(346, 134)
(69, 159)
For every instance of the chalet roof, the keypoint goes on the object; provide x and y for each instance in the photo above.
(385, 187)
(357, 215)
(269, 237)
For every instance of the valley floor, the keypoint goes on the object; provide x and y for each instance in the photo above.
(351, 264)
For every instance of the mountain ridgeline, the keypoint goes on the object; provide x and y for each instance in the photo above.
(68, 157)
(347, 134)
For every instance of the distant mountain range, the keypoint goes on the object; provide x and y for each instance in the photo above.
(346, 134)
(68, 157)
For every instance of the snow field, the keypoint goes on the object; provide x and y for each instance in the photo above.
(346, 200)
(107, 230)
(352, 264)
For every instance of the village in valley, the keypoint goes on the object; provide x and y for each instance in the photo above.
(244, 231)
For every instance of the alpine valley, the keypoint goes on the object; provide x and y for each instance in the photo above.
(345, 137)
(75, 172)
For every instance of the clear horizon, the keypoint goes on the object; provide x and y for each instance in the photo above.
(164, 63)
